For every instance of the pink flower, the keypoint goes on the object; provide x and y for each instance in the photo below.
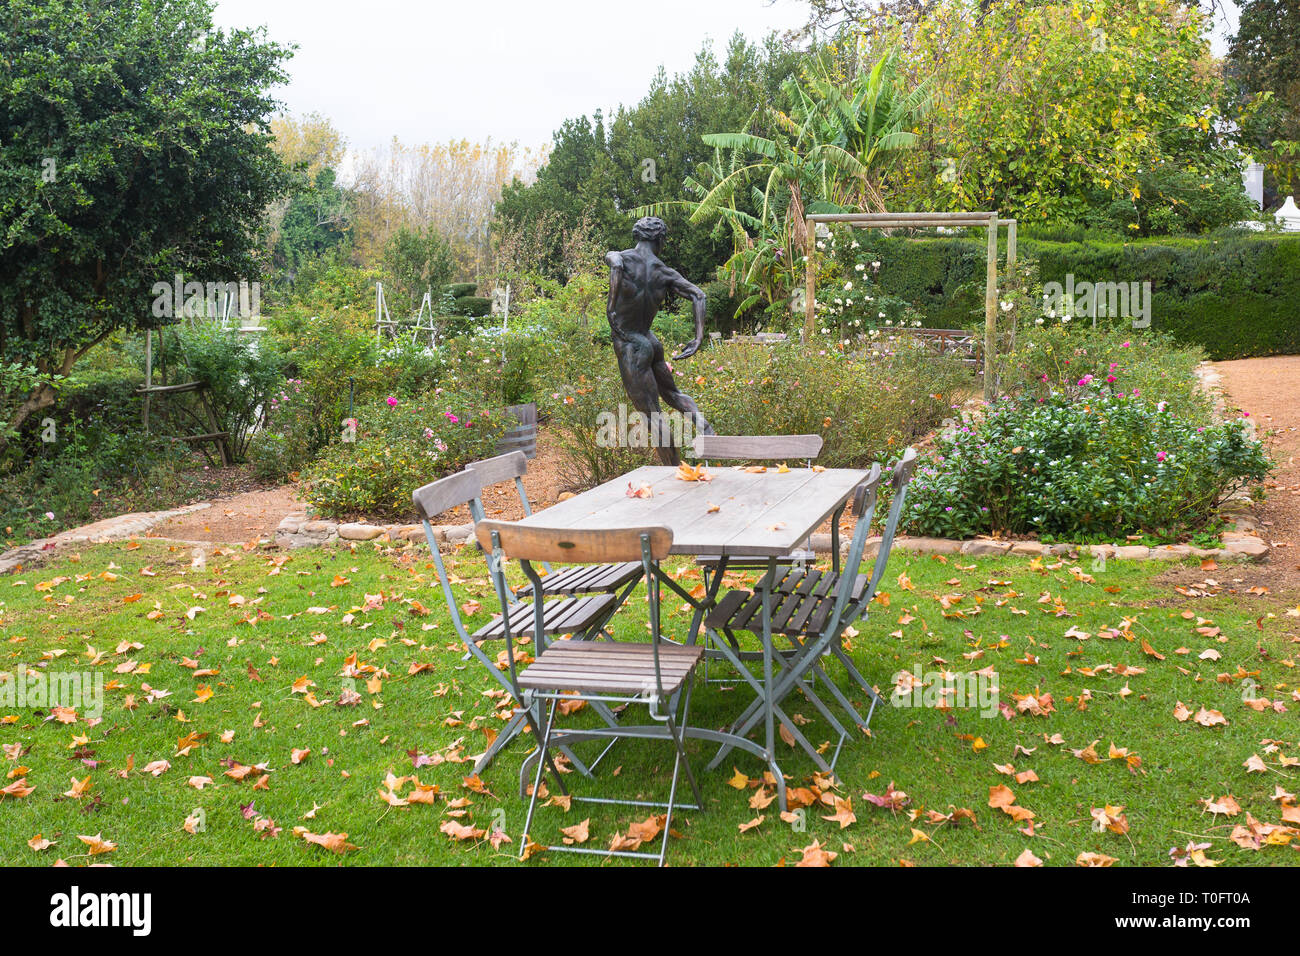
(1110, 379)
(1245, 414)
(428, 433)
(392, 402)
(49, 516)
(1086, 380)
(1161, 456)
(1126, 345)
(451, 418)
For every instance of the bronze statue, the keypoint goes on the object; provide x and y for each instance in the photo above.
(638, 284)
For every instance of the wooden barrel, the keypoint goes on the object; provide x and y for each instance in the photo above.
(523, 435)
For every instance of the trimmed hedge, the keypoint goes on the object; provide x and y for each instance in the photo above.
(472, 305)
(1235, 297)
(459, 289)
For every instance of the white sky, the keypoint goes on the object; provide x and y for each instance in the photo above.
(509, 69)
(433, 70)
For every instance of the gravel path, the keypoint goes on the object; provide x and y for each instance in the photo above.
(1269, 389)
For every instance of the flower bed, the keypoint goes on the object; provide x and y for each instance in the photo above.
(1098, 463)
(394, 446)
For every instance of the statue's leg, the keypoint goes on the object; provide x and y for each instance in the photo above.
(635, 365)
(679, 400)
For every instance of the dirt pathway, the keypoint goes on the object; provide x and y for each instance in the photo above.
(1269, 389)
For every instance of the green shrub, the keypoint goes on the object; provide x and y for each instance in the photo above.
(458, 289)
(1083, 467)
(88, 455)
(240, 372)
(474, 306)
(287, 441)
(865, 403)
(399, 445)
(325, 351)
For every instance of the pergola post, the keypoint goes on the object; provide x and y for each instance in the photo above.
(991, 310)
(809, 280)
(921, 220)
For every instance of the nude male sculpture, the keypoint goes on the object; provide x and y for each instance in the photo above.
(638, 284)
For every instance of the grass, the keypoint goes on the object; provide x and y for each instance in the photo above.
(1001, 613)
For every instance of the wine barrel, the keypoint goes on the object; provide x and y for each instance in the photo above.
(523, 435)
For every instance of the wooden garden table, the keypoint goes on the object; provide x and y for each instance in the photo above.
(738, 513)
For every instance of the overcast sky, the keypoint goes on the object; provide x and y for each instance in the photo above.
(433, 70)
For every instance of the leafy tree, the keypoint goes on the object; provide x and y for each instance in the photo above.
(601, 168)
(314, 223)
(415, 261)
(833, 141)
(135, 147)
(1052, 113)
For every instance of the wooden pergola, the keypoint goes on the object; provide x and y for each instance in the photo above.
(920, 220)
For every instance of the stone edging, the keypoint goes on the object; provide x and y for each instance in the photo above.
(298, 531)
(120, 528)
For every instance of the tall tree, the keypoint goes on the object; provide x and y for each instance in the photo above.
(1264, 62)
(599, 169)
(136, 146)
(1054, 113)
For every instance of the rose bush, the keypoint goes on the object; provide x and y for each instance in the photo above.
(395, 446)
(1095, 465)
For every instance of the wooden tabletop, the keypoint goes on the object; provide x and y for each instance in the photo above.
(760, 514)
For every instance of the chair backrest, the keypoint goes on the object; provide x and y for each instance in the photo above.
(505, 467)
(898, 482)
(508, 467)
(570, 545)
(446, 493)
(758, 447)
(433, 499)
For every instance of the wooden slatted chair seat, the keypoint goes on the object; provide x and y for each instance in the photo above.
(602, 667)
(586, 579)
(801, 603)
(576, 579)
(657, 674)
(570, 615)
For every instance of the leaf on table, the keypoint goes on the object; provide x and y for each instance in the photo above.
(644, 491)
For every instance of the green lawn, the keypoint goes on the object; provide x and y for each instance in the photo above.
(257, 635)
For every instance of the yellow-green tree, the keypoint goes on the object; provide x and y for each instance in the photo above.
(1070, 112)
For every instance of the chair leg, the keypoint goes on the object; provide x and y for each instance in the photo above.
(543, 760)
(508, 733)
(679, 742)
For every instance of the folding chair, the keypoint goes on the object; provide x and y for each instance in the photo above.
(574, 579)
(577, 615)
(780, 448)
(758, 448)
(657, 674)
(812, 610)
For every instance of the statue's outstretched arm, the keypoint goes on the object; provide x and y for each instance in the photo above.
(689, 290)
